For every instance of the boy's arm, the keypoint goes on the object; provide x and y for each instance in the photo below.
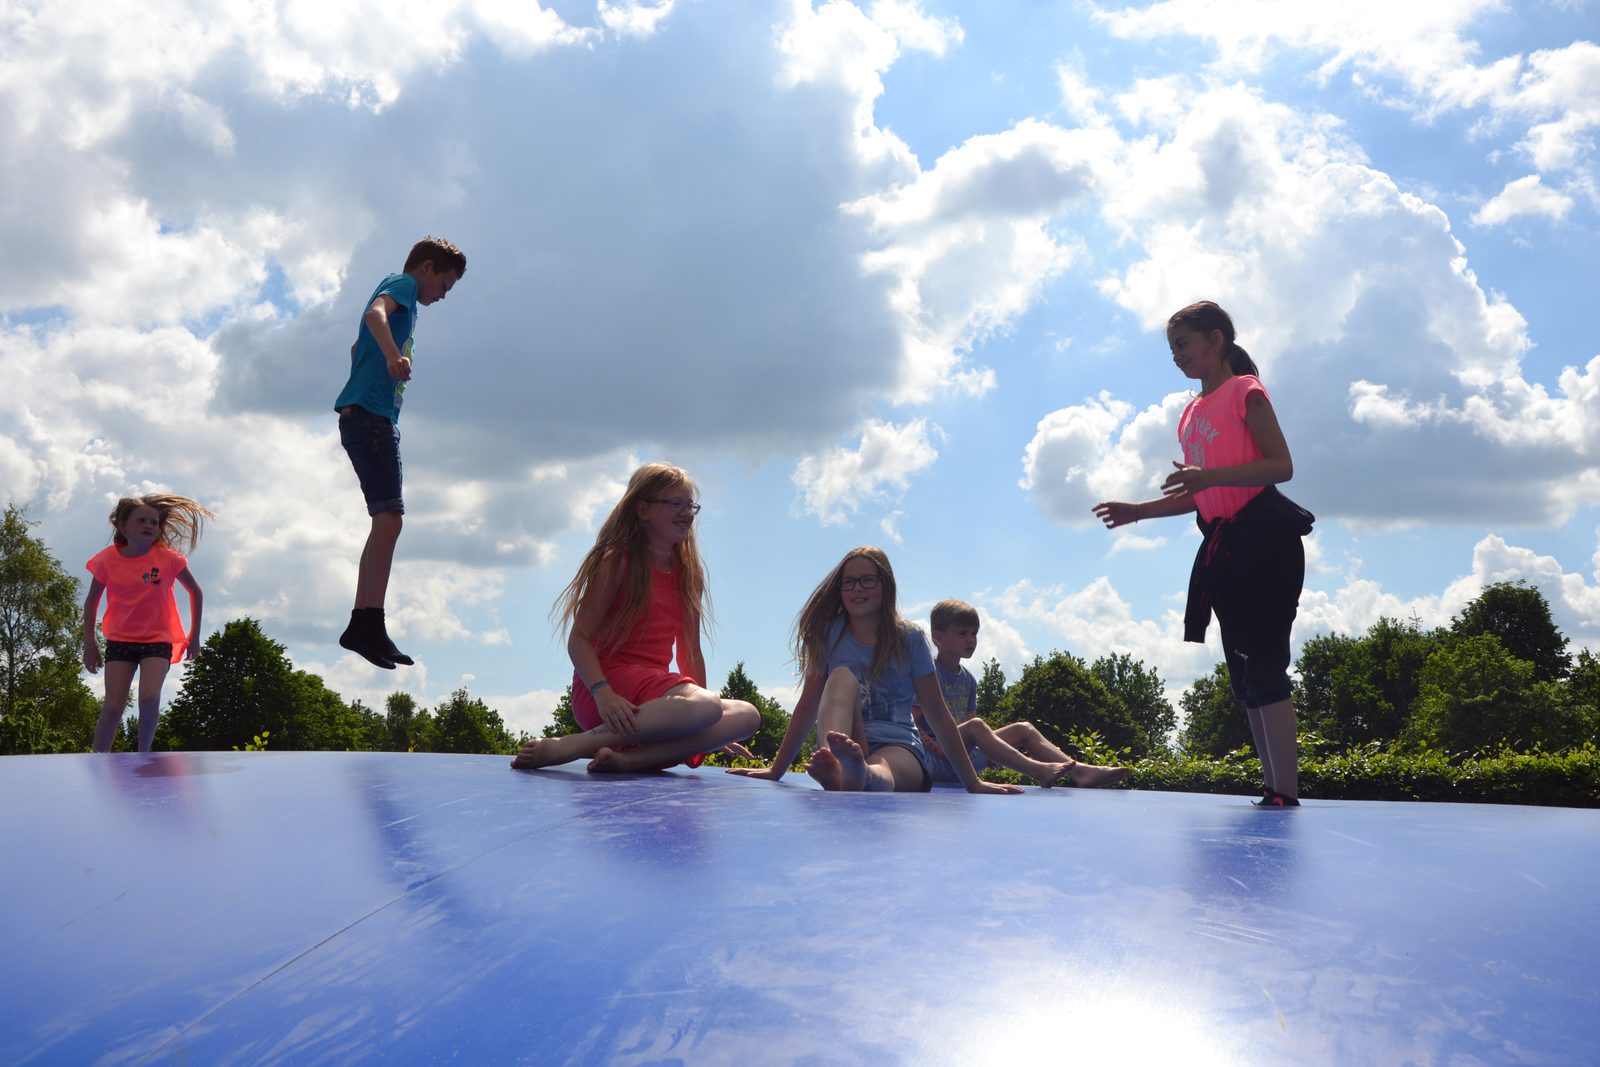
(91, 608)
(944, 728)
(196, 598)
(377, 320)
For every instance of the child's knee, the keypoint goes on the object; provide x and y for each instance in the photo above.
(743, 715)
(842, 680)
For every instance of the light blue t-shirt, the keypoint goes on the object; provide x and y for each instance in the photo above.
(960, 691)
(885, 700)
(370, 384)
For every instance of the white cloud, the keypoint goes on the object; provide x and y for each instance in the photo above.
(834, 484)
(527, 712)
(1345, 289)
(1524, 196)
(1427, 47)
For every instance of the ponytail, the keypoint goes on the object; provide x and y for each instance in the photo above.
(1205, 316)
(1240, 360)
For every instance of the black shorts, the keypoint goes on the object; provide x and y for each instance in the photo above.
(136, 651)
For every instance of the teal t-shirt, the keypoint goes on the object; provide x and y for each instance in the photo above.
(370, 384)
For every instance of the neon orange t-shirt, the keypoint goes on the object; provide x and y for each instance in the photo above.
(140, 603)
(1212, 433)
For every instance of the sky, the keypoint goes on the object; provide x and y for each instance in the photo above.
(887, 273)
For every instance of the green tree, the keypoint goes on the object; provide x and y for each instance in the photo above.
(1140, 689)
(991, 691)
(240, 684)
(1519, 616)
(41, 644)
(1213, 722)
(1476, 696)
(774, 720)
(1356, 690)
(401, 722)
(466, 724)
(371, 728)
(323, 721)
(1063, 697)
(562, 721)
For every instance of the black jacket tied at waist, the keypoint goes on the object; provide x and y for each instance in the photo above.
(1256, 535)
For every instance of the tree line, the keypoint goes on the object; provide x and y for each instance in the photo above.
(1498, 678)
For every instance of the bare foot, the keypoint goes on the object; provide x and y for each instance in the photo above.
(540, 752)
(610, 761)
(824, 767)
(1053, 773)
(1093, 776)
(852, 761)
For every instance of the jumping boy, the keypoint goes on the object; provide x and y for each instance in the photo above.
(369, 415)
(1017, 746)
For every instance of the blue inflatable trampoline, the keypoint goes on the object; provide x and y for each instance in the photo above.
(261, 908)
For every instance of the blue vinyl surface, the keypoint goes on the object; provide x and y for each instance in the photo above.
(217, 908)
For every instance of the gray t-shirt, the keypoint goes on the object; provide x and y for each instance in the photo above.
(885, 700)
(960, 691)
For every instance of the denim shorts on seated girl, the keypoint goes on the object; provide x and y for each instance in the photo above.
(373, 444)
(135, 651)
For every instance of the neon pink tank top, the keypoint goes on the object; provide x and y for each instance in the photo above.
(1212, 433)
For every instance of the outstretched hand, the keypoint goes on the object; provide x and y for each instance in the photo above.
(770, 774)
(993, 788)
(1116, 513)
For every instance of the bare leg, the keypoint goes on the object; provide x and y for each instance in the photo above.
(119, 679)
(1258, 733)
(839, 713)
(893, 769)
(686, 709)
(1029, 738)
(739, 720)
(992, 743)
(377, 558)
(152, 673)
(1278, 726)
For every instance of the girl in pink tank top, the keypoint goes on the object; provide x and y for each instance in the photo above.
(143, 632)
(1251, 563)
(639, 595)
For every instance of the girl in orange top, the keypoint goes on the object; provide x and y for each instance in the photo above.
(142, 628)
(640, 593)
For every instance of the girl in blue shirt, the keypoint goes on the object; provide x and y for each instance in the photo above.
(864, 667)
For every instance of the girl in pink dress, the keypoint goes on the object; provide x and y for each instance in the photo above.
(639, 594)
(142, 629)
(1251, 563)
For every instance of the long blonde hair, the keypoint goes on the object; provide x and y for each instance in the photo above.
(622, 536)
(826, 604)
(181, 518)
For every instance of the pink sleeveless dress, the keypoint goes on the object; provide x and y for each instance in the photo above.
(639, 667)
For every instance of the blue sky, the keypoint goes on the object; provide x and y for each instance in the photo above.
(886, 273)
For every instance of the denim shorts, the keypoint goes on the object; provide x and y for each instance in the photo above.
(373, 444)
(135, 651)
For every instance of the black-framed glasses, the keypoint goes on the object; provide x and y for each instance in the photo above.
(866, 581)
(677, 505)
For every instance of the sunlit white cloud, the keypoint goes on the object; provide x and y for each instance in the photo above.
(1524, 196)
(835, 484)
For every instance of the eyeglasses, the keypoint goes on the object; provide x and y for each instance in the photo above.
(866, 581)
(678, 505)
